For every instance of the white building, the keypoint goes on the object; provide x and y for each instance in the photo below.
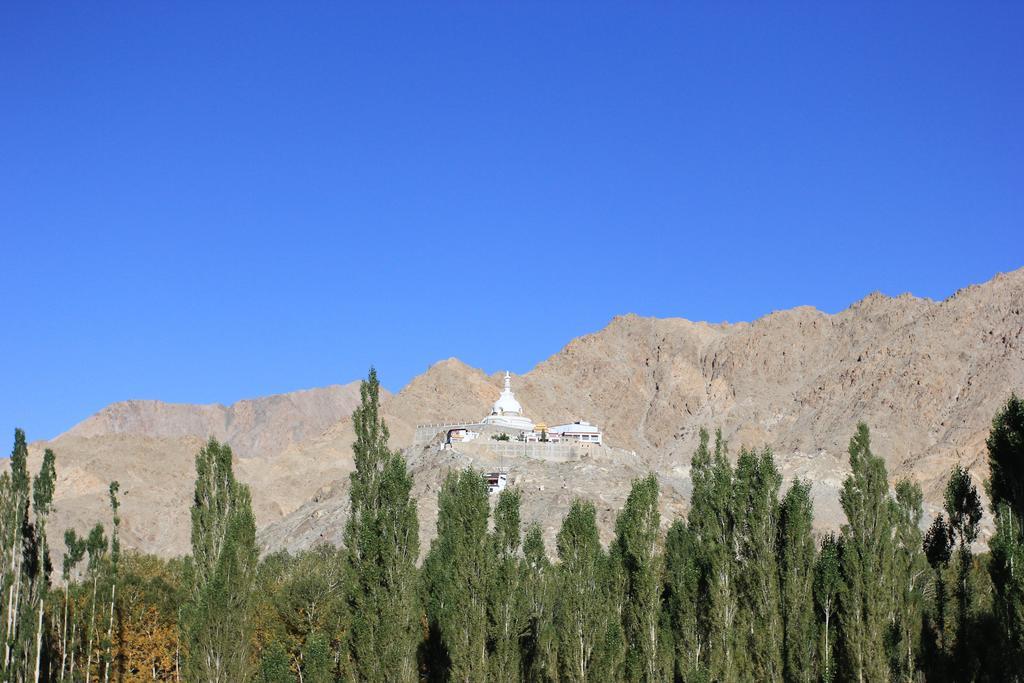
(460, 435)
(507, 412)
(496, 482)
(581, 431)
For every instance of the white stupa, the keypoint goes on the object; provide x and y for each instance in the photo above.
(507, 412)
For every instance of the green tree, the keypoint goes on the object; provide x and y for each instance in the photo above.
(218, 625)
(540, 643)
(938, 548)
(828, 585)
(681, 602)
(274, 665)
(796, 565)
(303, 597)
(636, 532)
(587, 611)
(909, 569)
(506, 599)
(712, 526)
(756, 514)
(1006, 456)
(115, 557)
(1006, 491)
(14, 494)
(458, 574)
(382, 538)
(73, 554)
(963, 505)
(25, 505)
(95, 547)
(865, 604)
(316, 659)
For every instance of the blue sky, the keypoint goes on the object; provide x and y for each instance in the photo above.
(205, 203)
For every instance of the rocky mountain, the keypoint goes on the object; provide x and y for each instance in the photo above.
(927, 376)
(150, 447)
(254, 427)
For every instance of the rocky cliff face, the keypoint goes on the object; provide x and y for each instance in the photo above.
(926, 376)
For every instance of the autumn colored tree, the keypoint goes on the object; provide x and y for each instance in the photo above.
(150, 593)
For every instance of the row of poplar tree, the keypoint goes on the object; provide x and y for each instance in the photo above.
(742, 590)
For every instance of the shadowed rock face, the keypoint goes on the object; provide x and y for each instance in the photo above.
(926, 376)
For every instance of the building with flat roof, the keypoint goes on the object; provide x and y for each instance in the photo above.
(581, 431)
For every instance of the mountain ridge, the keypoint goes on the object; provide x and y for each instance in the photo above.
(926, 375)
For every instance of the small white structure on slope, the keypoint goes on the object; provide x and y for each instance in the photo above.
(507, 412)
(496, 482)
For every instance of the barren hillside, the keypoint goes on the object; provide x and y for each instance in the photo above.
(927, 376)
(150, 447)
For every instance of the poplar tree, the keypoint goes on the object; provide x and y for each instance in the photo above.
(316, 659)
(1006, 566)
(95, 547)
(457, 572)
(828, 584)
(963, 505)
(586, 616)
(39, 566)
(865, 604)
(224, 554)
(73, 554)
(938, 548)
(26, 504)
(382, 538)
(712, 525)
(909, 569)
(540, 643)
(796, 565)
(14, 494)
(506, 599)
(115, 557)
(636, 532)
(756, 514)
(682, 585)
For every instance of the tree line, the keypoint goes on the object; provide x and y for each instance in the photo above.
(741, 590)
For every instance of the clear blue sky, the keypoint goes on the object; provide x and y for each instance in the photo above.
(220, 201)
